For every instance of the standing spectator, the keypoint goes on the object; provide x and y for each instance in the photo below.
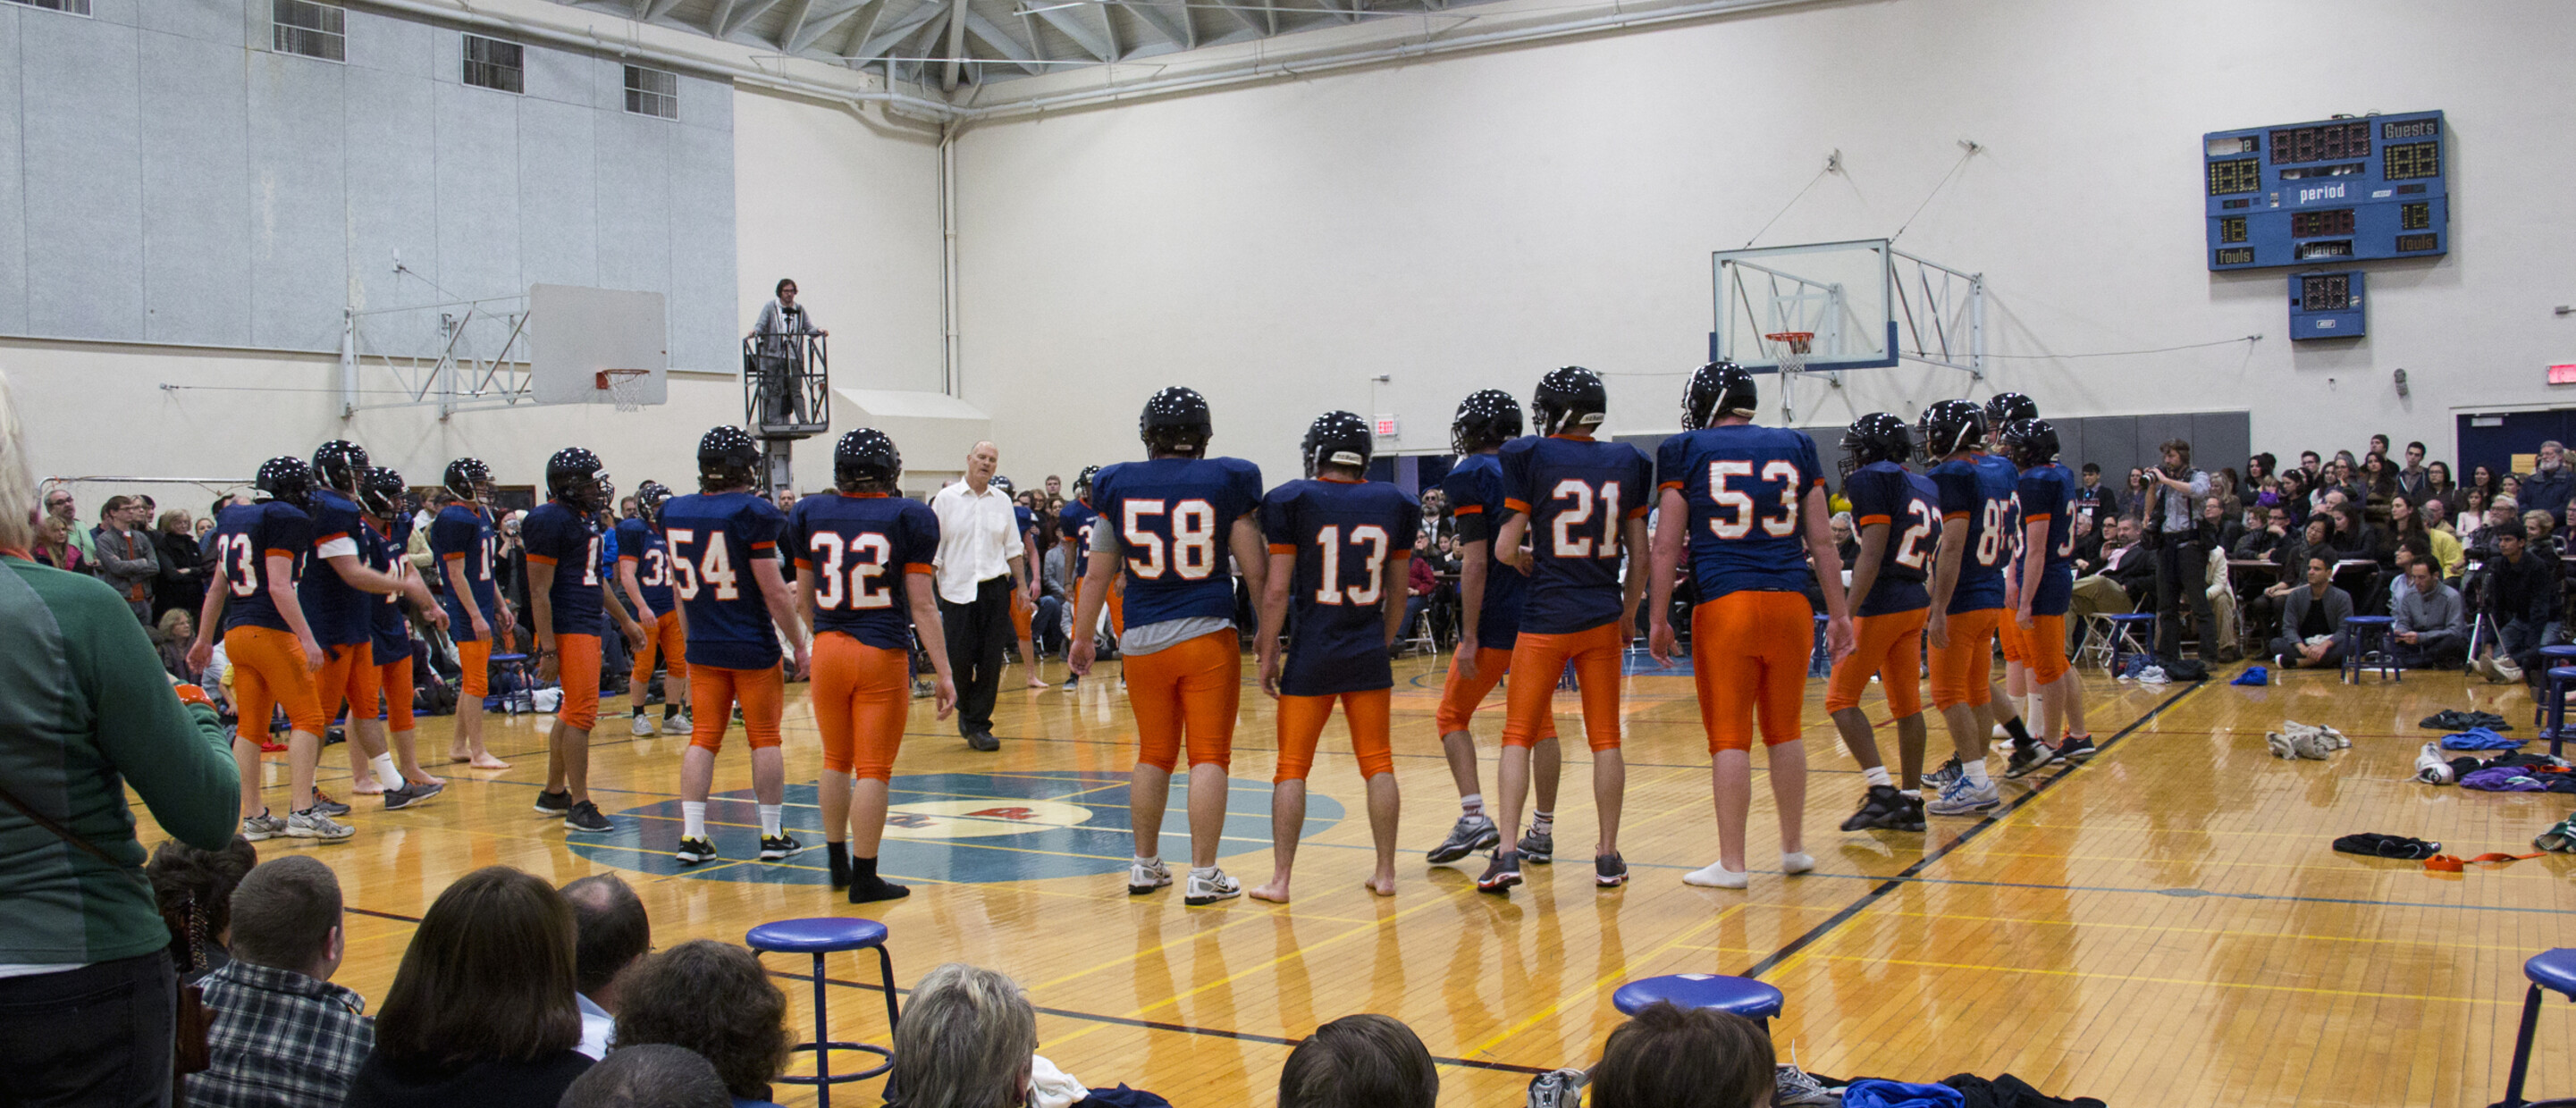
(1420, 581)
(2308, 467)
(283, 1036)
(981, 561)
(713, 998)
(2438, 485)
(205, 879)
(2093, 498)
(2550, 485)
(2181, 557)
(89, 1014)
(2483, 479)
(54, 547)
(127, 559)
(2471, 518)
(182, 582)
(2431, 624)
(59, 505)
(2414, 481)
(780, 328)
(2508, 487)
(1054, 493)
(481, 1011)
(1359, 1060)
(2378, 478)
(612, 933)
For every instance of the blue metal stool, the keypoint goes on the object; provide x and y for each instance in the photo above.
(521, 697)
(2359, 632)
(2560, 683)
(2124, 636)
(1820, 661)
(818, 937)
(1742, 996)
(2554, 970)
(2551, 657)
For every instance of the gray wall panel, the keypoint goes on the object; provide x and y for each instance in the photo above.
(704, 103)
(557, 238)
(299, 201)
(196, 230)
(2070, 443)
(478, 192)
(2221, 440)
(703, 329)
(122, 13)
(216, 21)
(634, 201)
(85, 235)
(395, 45)
(392, 129)
(2153, 430)
(560, 76)
(13, 209)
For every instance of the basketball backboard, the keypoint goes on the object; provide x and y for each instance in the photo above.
(1837, 291)
(575, 332)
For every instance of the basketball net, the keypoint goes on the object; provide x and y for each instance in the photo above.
(625, 387)
(1793, 350)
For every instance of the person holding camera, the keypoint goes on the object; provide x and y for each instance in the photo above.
(2174, 494)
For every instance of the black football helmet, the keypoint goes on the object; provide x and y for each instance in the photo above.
(577, 478)
(1718, 390)
(1876, 437)
(727, 457)
(649, 498)
(381, 492)
(1082, 483)
(469, 479)
(866, 454)
(2030, 442)
(1176, 421)
(1337, 439)
(338, 464)
(1569, 398)
(1487, 418)
(1004, 484)
(2005, 407)
(285, 480)
(1951, 426)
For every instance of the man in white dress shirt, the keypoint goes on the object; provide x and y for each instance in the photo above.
(981, 560)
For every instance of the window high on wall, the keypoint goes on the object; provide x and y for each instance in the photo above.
(307, 28)
(652, 92)
(494, 64)
(75, 7)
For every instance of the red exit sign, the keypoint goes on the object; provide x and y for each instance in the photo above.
(1386, 425)
(2563, 374)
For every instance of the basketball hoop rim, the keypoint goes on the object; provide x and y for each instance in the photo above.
(621, 385)
(1797, 340)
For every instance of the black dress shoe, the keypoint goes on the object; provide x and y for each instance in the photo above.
(984, 741)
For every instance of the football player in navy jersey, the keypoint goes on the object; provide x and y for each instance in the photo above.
(1749, 504)
(644, 572)
(863, 564)
(1491, 591)
(1338, 547)
(395, 757)
(1176, 528)
(1968, 596)
(2048, 584)
(2006, 697)
(259, 548)
(340, 592)
(1897, 515)
(1073, 526)
(1024, 603)
(1582, 505)
(462, 538)
(715, 536)
(571, 606)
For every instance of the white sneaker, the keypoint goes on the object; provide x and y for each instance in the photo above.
(642, 727)
(1715, 875)
(1964, 798)
(1800, 862)
(2430, 767)
(1210, 887)
(676, 725)
(1145, 877)
(310, 824)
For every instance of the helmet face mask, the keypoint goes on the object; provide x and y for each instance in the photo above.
(1951, 426)
(1176, 421)
(1568, 399)
(469, 479)
(649, 498)
(2031, 442)
(1876, 437)
(1082, 483)
(578, 479)
(1486, 419)
(864, 455)
(338, 465)
(1718, 391)
(380, 493)
(727, 459)
(286, 480)
(1337, 438)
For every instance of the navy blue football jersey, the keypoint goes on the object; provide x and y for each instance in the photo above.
(1351, 539)
(2048, 493)
(714, 538)
(382, 550)
(463, 536)
(244, 537)
(1744, 485)
(1074, 524)
(1577, 493)
(1474, 487)
(1883, 492)
(1978, 497)
(336, 610)
(1172, 518)
(639, 543)
(863, 552)
(558, 536)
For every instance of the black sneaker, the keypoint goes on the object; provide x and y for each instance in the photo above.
(1943, 776)
(2028, 759)
(585, 817)
(1609, 870)
(1538, 848)
(1883, 809)
(553, 804)
(781, 845)
(409, 793)
(323, 803)
(2077, 748)
(1914, 820)
(984, 741)
(1469, 835)
(1499, 877)
(694, 851)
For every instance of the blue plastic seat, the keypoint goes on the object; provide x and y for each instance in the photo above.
(2554, 970)
(2360, 633)
(821, 937)
(1743, 996)
(2557, 685)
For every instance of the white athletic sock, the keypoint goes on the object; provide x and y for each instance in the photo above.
(769, 814)
(1542, 822)
(1976, 772)
(1877, 775)
(1153, 861)
(1472, 804)
(1796, 862)
(386, 774)
(1716, 876)
(693, 819)
(1202, 871)
(1910, 794)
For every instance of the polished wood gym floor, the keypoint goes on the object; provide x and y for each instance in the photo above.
(2163, 926)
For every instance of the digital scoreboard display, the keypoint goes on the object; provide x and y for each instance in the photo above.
(2357, 187)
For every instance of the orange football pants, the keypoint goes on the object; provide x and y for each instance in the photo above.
(348, 678)
(1539, 658)
(1460, 697)
(662, 637)
(1963, 672)
(1749, 653)
(474, 656)
(1191, 686)
(577, 669)
(862, 699)
(268, 671)
(2008, 635)
(393, 679)
(2044, 647)
(1301, 723)
(713, 689)
(1891, 646)
(1021, 611)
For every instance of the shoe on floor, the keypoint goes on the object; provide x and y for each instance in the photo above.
(1941, 778)
(313, 824)
(585, 817)
(694, 851)
(1145, 877)
(1792, 1087)
(262, 827)
(778, 846)
(323, 803)
(553, 804)
(1469, 835)
(1609, 870)
(1800, 862)
(1209, 887)
(677, 725)
(1537, 848)
(1964, 798)
(642, 727)
(1501, 874)
(2430, 767)
(1914, 820)
(1715, 875)
(2077, 748)
(410, 793)
(984, 741)
(2027, 760)
(1881, 809)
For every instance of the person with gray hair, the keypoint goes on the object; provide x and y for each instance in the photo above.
(982, 562)
(2551, 484)
(966, 1041)
(283, 1036)
(611, 933)
(655, 1075)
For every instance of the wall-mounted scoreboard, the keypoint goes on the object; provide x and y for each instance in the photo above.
(2327, 305)
(2321, 193)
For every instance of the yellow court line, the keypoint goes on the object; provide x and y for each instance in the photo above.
(1486, 1048)
(1112, 963)
(2197, 982)
(2092, 925)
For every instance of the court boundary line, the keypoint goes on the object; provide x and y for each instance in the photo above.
(1909, 874)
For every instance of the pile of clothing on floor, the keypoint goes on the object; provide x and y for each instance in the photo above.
(2452, 719)
(1961, 1090)
(2454, 760)
(2301, 740)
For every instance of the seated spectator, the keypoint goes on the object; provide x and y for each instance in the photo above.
(967, 1040)
(713, 998)
(2126, 578)
(2520, 594)
(1844, 544)
(2088, 543)
(2221, 592)
(1419, 583)
(206, 878)
(651, 1076)
(2219, 528)
(172, 636)
(2425, 518)
(2312, 620)
(2262, 541)
(481, 1010)
(611, 932)
(2431, 626)
(2539, 530)
(1362, 1061)
(282, 1034)
(1674, 1057)
(2551, 485)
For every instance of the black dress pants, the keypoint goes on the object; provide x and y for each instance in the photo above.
(977, 633)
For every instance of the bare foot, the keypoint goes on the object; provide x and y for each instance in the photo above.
(1382, 885)
(1034, 683)
(1275, 892)
(423, 778)
(459, 757)
(367, 787)
(487, 761)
